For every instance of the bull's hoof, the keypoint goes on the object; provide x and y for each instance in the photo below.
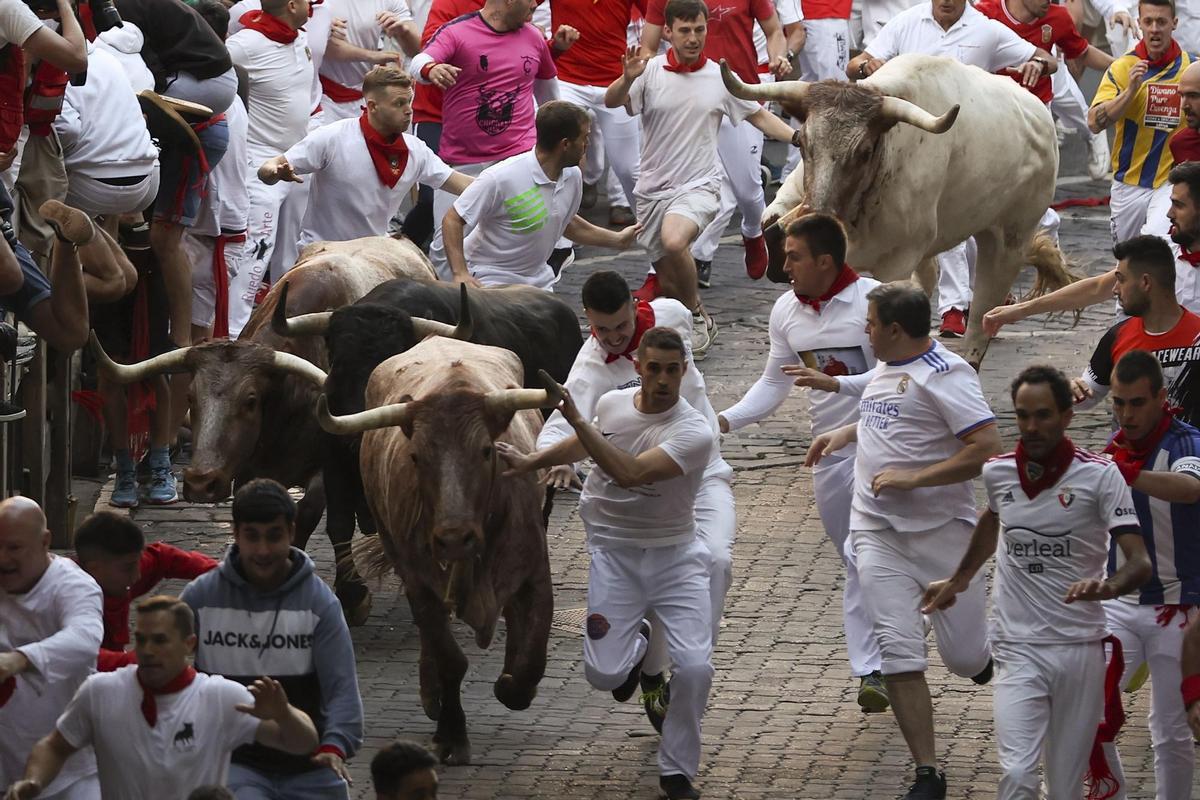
(356, 602)
(513, 695)
(432, 704)
(454, 753)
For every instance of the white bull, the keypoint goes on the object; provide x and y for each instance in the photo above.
(908, 184)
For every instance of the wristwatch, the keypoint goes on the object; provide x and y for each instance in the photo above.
(791, 56)
(862, 69)
(1045, 64)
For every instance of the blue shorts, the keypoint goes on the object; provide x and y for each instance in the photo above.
(181, 186)
(34, 290)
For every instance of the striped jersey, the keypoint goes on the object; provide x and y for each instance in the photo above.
(1171, 530)
(1140, 155)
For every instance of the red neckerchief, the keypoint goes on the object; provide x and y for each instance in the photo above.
(271, 27)
(844, 278)
(1172, 53)
(176, 684)
(6, 690)
(1189, 256)
(1130, 457)
(643, 321)
(1037, 476)
(673, 64)
(389, 158)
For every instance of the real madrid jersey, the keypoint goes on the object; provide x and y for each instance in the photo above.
(1049, 542)
(913, 414)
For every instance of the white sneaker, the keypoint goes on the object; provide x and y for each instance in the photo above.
(1062, 131)
(704, 333)
(1099, 158)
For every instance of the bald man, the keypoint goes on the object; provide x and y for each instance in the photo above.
(51, 625)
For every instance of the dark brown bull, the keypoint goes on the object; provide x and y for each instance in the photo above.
(465, 539)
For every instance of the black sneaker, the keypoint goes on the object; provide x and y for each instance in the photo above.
(703, 274)
(561, 258)
(10, 412)
(985, 675)
(930, 785)
(678, 787)
(656, 697)
(625, 690)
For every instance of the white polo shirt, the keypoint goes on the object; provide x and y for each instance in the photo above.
(515, 215)
(973, 39)
(189, 746)
(281, 78)
(837, 339)
(362, 30)
(347, 199)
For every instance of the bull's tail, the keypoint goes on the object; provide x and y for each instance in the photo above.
(371, 557)
(1054, 270)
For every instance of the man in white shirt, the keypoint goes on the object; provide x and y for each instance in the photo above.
(51, 623)
(953, 28)
(363, 168)
(518, 209)
(159, 728)
(682, 100)
(1052, 507)
(651, 449)
(924, 431)
(352, 52)
(820, 323)
(604, 364)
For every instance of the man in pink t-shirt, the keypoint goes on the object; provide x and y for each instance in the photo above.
(491, 65)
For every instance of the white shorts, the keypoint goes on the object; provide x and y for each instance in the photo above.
(1136, 210)
(895, 568)
(199, 251)
(700, 205)
(826, 49)
(95, 197)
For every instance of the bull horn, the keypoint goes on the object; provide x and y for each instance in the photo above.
(510, 401)
(900, 110)
(786, 91)
(372, 418)
(314, 324)
(132, 373)
(294, 365)
(427, 327)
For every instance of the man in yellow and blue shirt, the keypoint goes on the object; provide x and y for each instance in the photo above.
(1140, 97)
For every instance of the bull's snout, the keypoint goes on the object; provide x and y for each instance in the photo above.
(774, 238)
(205, 485)
(457, 542)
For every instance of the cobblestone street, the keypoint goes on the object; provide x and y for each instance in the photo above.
(782, 722)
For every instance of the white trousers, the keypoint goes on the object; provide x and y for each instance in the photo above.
(1136, 209)
(1068, 103)
(1144, 641)
(1048, 700)
(624, 585)
(956, 276)
(291, 217)
(83, 789)
(200, 251)
(833, 486)
(619, 135)
(895, 569)
(826, 50)
(740, 148)
(441, 204)
(262, 226)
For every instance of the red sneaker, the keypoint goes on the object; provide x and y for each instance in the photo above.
(756, 256)
(261, 294)
(954, 324)
(648, 290)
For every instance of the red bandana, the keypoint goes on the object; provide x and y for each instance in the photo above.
(271, 27)
(6, 690)
(1189, 256)
(389, 158)
(1130, 457)
(643, 322)
(846, 277)
(1169, 56)
(1037, 476)
(673, 64)
(177, 684)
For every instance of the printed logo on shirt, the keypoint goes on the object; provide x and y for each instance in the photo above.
(1164, 107)
(597, 626)
(877, 414)
(1016, 546)
(902, 386)
(1007, 497)
(527, 211)
(838, 361)
(718, 13)
(1066, 497)
(483, 63)
(494, 112)
(1047, 34)
(275, 641)
(185, 737)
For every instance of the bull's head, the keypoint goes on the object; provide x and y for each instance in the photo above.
(452, 436)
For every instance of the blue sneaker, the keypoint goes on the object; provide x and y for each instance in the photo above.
(163, 488)
(125, 487)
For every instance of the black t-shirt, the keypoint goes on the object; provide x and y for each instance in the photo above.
(177, 40)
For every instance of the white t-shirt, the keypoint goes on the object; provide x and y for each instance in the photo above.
(189, 746)
(1050, 542)
(658, 514)
(593, 376)
(281, 78)
(17, 22)
(516, 215)
(837, 339)
(316, 29)
(58, 626)
(789, 13)
(681, 114)
(912, 415)
(347, 199)
(974, 39)
(362, 30)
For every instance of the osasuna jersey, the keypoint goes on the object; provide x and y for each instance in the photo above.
(1049, 542)
(1171, 530)
(913, 414)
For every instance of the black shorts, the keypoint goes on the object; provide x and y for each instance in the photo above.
(113, 322)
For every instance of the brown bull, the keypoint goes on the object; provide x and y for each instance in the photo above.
(464, 538)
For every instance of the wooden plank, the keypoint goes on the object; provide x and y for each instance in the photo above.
(33, 431)
(59, 503)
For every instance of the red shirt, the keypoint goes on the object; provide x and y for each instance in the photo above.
(1185, 146)
(825, 9)
(1056, 28)
(1178, 350)
(427, 98)
(730, 32)
(595, 58)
